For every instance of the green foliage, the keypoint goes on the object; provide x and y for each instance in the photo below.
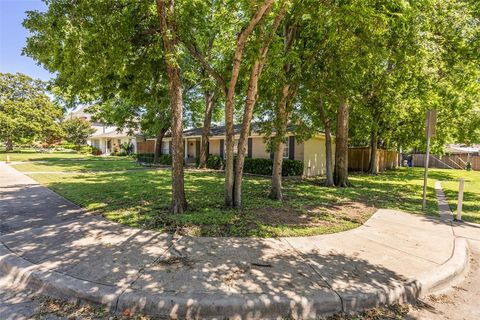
(214, 162)
(26, 112)
(127, 148)
(292, 167)
(145, 157)
(265, 167)
(164, 159)
(96, 151)
(306, 209)
(77, 130)
(86, 149)
(258, 166)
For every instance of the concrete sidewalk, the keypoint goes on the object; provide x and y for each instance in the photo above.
(51, 245)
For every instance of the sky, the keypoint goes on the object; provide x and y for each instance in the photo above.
(13, 37)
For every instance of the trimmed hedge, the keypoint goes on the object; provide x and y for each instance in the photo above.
(258, 166)
(252, 165)
(292, 167)
(165, 159)
(145, 157)
(265, 167)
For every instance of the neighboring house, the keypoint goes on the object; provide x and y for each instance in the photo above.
(311, 151)
(106, 138)
(463, 149)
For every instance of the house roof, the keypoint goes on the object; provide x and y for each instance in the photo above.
(220, 130)
(80, 113)
(461, 148)
(115, 134)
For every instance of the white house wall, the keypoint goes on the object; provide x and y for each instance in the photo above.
(314, 156)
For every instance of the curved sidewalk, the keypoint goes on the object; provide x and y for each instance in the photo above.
(53, 246)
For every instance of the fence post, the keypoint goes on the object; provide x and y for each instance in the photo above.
(460, 200)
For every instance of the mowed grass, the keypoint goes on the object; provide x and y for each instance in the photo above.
(471, 193)
(32, 155)
(84, 164)
(142, 198)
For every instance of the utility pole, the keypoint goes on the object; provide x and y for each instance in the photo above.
(430, 129)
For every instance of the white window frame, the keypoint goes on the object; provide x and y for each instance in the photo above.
(286, 149)
(165, 147)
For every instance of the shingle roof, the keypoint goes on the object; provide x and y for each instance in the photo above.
(220, 130)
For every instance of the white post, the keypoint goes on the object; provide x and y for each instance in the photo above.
(186, 149)
(460, 200)
(427, 158)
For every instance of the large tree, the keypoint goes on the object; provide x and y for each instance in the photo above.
(77, 131)
(26, 112)
(166, 14)
(111, 50)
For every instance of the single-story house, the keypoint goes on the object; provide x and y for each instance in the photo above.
(311, 151)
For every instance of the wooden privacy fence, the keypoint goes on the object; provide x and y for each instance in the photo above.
(455, 161)
(146, 146)
(359, 159)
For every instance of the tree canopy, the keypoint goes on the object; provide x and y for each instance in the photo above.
(27, 114)
(364, 71)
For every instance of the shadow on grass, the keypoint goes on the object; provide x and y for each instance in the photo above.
(82, 165)
(140, 198)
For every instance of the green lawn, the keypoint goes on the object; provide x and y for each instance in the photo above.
(471, 193)
(141, 198)
(32, 155)
(82, 164)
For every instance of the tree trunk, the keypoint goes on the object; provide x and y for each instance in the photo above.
(229, 104)
(282, 120)
(276, 189)
(244, 133)
(341, 145)
(170, 43)
(283, 114)
(8, 144)
(373, 166)
(207, 121)
(251, 99)
(158, 145)
(328, 145)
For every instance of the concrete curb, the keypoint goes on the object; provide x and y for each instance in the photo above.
(220, 306)
(451, 271)
(25, 275)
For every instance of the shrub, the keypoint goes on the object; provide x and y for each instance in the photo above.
(258, 166)
(86, 149)
(265, 167)
(214, 162)
(468, 166)
(96, 151)
(145, 157)
(292, 167)
(67, 145)
(165, 159)
(126, 148)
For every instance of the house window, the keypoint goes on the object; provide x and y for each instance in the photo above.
(286, 151)
(165, 147)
